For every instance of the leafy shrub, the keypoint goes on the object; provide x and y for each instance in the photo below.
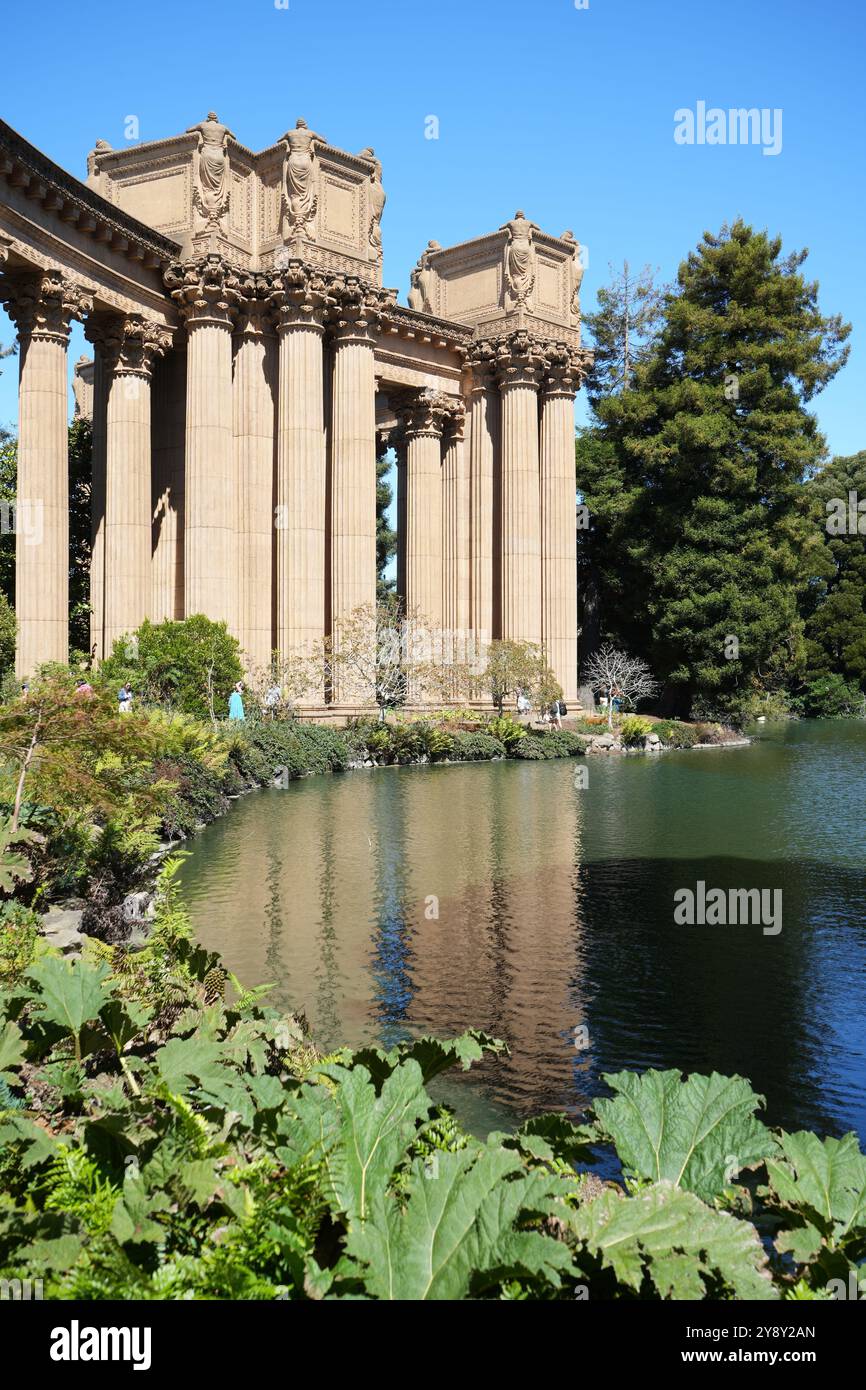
(440, 744)
(831, 696)
(19, 934)
(676, 735)
(532, 747)
(506, 729)
(710, 733)
(199, 795)
(634, 729)
(187, 666)
(562, 743)
(477, 747)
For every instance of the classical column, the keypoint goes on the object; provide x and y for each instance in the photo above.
(301, 469)
(424, 418)
(207, 293)
(455, 528)
(352, 467)
(168, 436)
(483, 528)
(42, 307)
(129, 347)
(97, 495)
(558, 534)
(254, 424)
(520, 363)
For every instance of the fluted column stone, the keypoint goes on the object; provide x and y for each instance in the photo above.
(352, 466)
(424, 419)
(254, 423)
(520, 364)
(208, 294)
(483, 527)
(300, 301)
(129, 347)
(558, 523)
(42, 307)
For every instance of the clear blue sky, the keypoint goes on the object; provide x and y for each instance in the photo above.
(565, 112)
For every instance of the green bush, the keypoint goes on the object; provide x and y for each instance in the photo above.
(477, 747)
(506, 729)
(532, 747)
(564, 743)
(831, 696)
(634, 729)
(19, 934)
(676, 735)
(199, 796)
(182, 665)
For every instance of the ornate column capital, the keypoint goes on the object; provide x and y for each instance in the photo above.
(564, 370)
(480, 365)
(298, 297)
(5, 248)
(129, 343)
(519, 359)
(455, 420)
(422, 413)
(205, 290)
(43, 306)
(357, 308)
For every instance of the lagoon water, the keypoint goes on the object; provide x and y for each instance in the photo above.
(394, 902)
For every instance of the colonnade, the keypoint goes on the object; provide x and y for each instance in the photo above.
(235, 469)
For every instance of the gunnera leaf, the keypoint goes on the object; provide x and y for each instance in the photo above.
(823, 1181)
(671, 1237)
(696, 1133)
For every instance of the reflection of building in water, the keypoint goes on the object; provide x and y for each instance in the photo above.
(391, 963)
(504, 954)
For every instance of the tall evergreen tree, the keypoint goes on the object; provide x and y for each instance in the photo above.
(386, 537)
(708, 448)
(835, 595)
(628, 313)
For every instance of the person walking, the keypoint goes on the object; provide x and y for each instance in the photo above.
(273, 699)
(557, 710)
(83, 687)
(124, 699)
(523, 705)
(236, 702)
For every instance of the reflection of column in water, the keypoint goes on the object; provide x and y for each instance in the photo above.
(327, 969)
(391, 966)
(275, 966)
(457, 968)
(335, 890)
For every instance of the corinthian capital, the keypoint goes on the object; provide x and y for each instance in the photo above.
(129, 343)
(205, 290)
(44, 305)
(564, 369)
(519, 359)
(298, 295)
(357, 308)
(422, 412)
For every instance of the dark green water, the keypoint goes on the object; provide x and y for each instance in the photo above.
(555, 912)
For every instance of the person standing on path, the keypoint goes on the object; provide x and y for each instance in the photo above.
(236, 702)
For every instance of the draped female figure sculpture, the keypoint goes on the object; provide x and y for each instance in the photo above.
(299, 175)
(519, 261)
(211, 168)
(377, 201)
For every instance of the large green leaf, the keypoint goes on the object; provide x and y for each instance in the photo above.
(69, 993)
(671, 1237)
(11, 1049)
(458, 1226)
(433, 1055)
(696, 1133)
(824, 1181)
(374, 1131)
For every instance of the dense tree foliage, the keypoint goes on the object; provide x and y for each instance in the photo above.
(694, 475)
(189, 665)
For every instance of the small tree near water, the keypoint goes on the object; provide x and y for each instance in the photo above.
(617, 675)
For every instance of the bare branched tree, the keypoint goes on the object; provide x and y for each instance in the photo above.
(617, 675)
